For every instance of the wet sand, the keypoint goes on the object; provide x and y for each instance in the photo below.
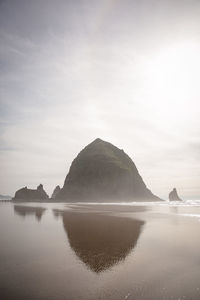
(80, 251)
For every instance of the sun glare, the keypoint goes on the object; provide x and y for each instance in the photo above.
(172, 79)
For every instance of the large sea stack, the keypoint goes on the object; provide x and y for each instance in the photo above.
(102, 172)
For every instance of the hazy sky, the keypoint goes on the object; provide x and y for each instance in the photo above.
(125, 71)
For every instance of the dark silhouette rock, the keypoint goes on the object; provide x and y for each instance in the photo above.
(102, 172)
(55, 192)
(26, 194)
(173, 195)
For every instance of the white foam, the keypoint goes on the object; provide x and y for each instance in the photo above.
(187, 203)
(191, 215)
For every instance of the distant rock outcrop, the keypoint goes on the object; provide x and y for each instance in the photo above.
(173, 195)
(102, 172)
(5, 197)
(55, 192)
(26, 194)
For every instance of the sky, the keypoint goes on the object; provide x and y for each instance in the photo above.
(125, 71)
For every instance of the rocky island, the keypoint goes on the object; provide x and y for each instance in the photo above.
(25, 194)
(173, 195)
(103, 172)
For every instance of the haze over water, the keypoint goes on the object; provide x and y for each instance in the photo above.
(85, 251)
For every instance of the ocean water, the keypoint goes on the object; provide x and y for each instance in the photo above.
(105, 251)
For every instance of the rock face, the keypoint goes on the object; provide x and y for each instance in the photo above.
(173, 195)
(26, 194)
(102, 172)
(55, 192)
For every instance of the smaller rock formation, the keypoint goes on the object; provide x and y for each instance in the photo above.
(173, 195)
(26, 194)
(55, 192)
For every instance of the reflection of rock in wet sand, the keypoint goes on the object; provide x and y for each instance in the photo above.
(29, 210)
(101, 241)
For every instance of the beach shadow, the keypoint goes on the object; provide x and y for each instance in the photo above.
(101, 241)
(24, 211)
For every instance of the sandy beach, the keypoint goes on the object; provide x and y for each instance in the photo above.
(87, 251)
